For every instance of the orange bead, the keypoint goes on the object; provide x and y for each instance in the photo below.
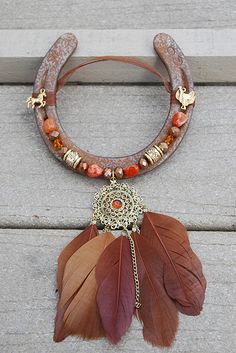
(131, 171)
(57, 144)
(49, 125)
(117, 204)
(179, 119)
(169, 139)
(94, 171)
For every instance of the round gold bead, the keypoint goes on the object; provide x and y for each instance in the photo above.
(83, 166)
(175, 131)
(163, 146)
(119, 173)
(143, 163)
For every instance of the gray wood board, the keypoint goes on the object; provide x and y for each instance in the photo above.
(196, 185)
(106, 14)
(27, 297)
(209, 52)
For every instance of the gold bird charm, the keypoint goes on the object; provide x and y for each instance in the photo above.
(185, 98)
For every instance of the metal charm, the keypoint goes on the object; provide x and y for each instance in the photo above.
(39, 100)
(185, 98)
(117, 206)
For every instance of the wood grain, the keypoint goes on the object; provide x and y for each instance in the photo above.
(106, 14)
(206, 50)
(27, 297)
(197, 185)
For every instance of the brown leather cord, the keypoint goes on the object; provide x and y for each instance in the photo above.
(51, 96)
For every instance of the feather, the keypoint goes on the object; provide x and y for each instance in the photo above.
(78, 277)
(158, 312)
(116, 293)
(89, 233)
(183, 277)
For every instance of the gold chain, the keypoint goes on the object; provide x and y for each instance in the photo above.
(135, 271)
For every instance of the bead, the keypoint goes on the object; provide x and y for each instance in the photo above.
(163, 146)
(49, 125)
(94, 171)
(153, 154)
(83, 166)
(143, 163)
(107, 173)
(72, 158)
(131, 171)
(57, 144)
(63, 150)
(179, 119)
(169, 139)
(119, 173)
(53, 135)
(117, 204)
(175, 131)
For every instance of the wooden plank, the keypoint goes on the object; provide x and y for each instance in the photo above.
(197, 185)
(108, 14)
(210, 53)
(27, 297)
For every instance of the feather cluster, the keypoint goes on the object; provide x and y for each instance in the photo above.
(96, 284)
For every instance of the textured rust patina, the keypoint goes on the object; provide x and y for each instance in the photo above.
(48, 78)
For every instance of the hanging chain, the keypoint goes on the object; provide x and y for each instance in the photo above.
(135, 270)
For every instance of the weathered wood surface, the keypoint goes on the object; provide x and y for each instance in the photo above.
(105, 14)
(28, 299)
(209, 52)
(197, 185)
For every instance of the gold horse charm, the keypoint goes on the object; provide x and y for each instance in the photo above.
(185, 98)
(39, 100)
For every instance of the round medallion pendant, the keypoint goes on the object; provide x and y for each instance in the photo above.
(117, 206)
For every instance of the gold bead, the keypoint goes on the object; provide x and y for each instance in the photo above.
(143, 163)
(163, 146)
(107, 173)
(153, 154)
(72, 158)
(175, 131)
(119, 173)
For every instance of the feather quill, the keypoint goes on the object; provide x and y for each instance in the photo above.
(183, 277)
(158, 312)
(116, 293)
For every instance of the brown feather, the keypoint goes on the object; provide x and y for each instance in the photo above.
(89, 233)
(158, 312)
(183, 277)
(82, 317)
(77, 277)
(116, 294)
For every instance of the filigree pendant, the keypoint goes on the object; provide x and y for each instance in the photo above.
(117, 206)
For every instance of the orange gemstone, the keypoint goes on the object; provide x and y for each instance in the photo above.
(132, 170)
(49, 125)
(169, 139)
(179, 119)
(117, 203)
(57, 144)
(94, 171)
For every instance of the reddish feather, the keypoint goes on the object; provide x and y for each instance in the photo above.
(183, 277)
(158, 312)
(89, 233)
(116, 293)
